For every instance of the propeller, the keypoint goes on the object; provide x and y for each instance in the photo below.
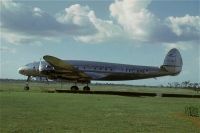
(40, 66)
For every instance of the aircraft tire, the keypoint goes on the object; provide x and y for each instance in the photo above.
(86, 88)
(26, 88)
(74, 88)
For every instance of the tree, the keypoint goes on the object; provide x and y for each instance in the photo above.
(197, 87)
(169, 85)
(176, 84)
(185, 84)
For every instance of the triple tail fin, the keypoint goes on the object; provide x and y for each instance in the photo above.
(173, 62)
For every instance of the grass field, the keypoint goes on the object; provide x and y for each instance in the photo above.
(40, 112)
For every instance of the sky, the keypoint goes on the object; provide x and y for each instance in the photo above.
(137, 32)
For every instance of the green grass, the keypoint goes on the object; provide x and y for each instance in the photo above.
(39, 112)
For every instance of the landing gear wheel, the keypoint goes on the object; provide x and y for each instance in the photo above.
(86, 88)
(26, 88)
(74, 88)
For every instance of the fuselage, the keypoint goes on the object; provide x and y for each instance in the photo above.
(98, 70)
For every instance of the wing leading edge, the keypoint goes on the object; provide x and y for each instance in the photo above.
(65, 69)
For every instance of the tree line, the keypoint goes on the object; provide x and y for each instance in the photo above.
(185, 84)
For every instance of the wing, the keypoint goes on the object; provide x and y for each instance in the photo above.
(65, 69)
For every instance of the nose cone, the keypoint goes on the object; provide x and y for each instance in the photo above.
(22, 70)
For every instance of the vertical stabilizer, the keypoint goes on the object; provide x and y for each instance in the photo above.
(173, 62)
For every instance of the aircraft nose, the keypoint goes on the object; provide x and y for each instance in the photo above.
(22, 70)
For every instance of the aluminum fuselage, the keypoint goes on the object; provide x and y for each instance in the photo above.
(102, 71)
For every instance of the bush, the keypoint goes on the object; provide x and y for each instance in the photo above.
(192, 111)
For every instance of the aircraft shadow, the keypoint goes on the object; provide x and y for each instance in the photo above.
(130, 94)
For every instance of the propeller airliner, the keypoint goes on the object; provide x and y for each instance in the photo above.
(79, 71)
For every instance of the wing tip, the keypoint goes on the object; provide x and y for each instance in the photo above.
(47, 56)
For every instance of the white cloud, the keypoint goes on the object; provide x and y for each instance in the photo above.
(183, 46)
(133, 16)
(143, 25)
(187, 26)
(7, 49)
(25, 24)
(84, 17)
(79, 16)
(13, 38)
(76, 14)
(37, 12)
(106, 30)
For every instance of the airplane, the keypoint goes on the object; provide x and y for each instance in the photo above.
(79, 71)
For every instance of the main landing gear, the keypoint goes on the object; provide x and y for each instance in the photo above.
(75, 88)
(86, 88)
(26, 87)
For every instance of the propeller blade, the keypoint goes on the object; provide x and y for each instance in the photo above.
(40, 66)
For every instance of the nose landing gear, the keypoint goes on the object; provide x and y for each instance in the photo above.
(26, 87)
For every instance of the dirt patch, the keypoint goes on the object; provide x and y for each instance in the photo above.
(194, 120)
